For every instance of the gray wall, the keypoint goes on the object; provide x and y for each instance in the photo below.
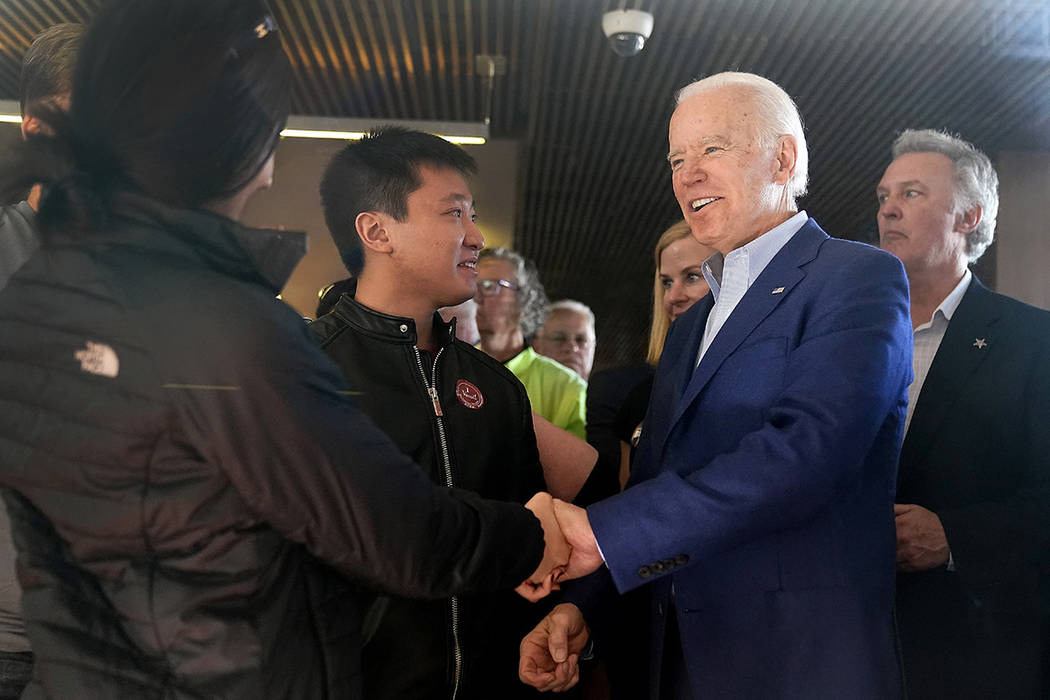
(1023, 231)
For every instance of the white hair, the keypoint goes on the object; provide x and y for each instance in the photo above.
(976, 181)
(572, 305)
(777, 112)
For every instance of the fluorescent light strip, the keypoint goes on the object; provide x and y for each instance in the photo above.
(355, 135)
(339, 128)
(346, 128)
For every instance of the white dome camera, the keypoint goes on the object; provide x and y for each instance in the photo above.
(627, 30)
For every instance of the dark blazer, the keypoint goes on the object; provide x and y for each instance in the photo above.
(977, 453)
(764, 481)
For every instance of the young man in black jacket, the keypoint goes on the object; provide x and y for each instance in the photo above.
(401, 213)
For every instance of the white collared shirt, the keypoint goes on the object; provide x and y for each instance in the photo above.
(928, 339)
(730, 277)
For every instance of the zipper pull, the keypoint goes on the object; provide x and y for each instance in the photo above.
(434, 399)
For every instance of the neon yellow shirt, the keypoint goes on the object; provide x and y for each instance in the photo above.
(555, 391)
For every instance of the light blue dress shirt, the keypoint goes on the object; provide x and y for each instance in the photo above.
(732, 275)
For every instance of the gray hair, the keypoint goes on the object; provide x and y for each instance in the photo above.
(532, 299)
(777, 112)
(976, 181)
(574, 306)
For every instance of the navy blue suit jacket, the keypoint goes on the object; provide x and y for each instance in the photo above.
(764, 482)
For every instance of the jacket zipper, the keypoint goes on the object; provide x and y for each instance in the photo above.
(457, 652)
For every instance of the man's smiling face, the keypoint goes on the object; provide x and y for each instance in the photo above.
(725, 179)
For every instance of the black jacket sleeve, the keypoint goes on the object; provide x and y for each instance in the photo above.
(270, 408)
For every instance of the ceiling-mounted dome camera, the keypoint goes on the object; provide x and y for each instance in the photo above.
(627, 30)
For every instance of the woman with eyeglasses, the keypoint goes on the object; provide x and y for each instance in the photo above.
(198, 508)
(511, 308)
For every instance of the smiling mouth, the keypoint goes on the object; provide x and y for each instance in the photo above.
(469, 264)
(698, 204)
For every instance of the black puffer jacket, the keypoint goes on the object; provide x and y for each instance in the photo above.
(465, 419)
(195, 500)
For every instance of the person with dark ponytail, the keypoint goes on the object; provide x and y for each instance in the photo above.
(198, 508)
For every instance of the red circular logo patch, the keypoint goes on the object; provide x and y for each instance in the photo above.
(468, 394)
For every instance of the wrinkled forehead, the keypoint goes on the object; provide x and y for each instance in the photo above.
(568, 320)
(919, 167)
(728, 107)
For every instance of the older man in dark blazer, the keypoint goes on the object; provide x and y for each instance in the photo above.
(973, 503)
(760, 511)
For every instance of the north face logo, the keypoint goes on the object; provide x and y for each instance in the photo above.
(97, 358)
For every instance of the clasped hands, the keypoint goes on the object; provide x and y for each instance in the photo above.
(570, 548)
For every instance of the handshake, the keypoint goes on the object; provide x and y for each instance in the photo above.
(570, 548)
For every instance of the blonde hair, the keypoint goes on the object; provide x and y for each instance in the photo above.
(661, 321)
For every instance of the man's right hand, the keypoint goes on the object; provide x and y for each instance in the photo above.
(576, 528)
(555, 553)
(550, 653)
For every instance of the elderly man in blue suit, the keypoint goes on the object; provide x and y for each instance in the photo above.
(760, 512)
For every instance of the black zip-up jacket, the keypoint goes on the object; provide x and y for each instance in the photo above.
(466, 420)
(194, 499)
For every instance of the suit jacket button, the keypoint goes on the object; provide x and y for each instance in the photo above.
(669, 563)
(681, 560)
(657, 566)
(644, 572)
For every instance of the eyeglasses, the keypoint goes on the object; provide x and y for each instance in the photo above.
(580, 341)
(491, 288)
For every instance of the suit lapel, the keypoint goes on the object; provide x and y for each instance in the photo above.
(774, 285)
(672, 376)
(686, 362)
(973, 325)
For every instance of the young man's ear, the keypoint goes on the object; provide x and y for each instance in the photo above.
(372, 230)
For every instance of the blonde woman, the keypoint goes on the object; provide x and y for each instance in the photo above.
(678, 282)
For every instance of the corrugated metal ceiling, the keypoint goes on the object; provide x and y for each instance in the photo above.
(594, 191)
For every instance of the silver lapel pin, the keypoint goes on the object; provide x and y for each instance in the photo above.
(979, 343)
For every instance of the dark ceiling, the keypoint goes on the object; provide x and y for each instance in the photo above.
(594, 191)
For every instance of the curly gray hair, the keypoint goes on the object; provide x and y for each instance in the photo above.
(976, 181)
(532, 299)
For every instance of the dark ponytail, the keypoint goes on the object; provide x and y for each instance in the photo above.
(180, 100)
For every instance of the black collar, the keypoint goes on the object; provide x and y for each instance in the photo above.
(394, 329)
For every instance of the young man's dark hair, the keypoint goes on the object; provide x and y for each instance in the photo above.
(47, 68)
(377, 173)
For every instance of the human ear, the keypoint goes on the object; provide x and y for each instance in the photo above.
(32, 126)
(969, 219)
(786, 153)
(372, 230)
